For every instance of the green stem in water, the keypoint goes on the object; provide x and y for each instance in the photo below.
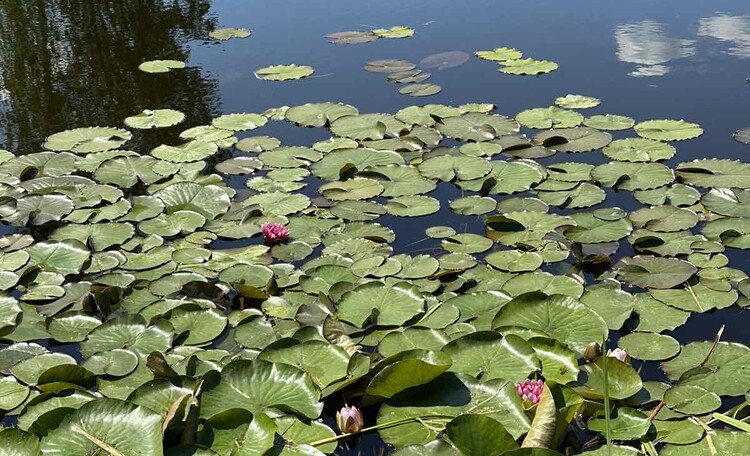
(387, 424)
(608, 434)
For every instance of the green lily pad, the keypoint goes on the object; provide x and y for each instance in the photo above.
(633, 176)
(615, 377)
(88, 140)
(723, 373)
(557, 316)
(476, 435)
(501, 54)
(261, 385)
(284, 72)
(691, 400)
(319, 114)
(628, 424)
(397, 31)
(577, 102)
(161, 66)
(420, 90)
(488, 355)
(609, 122)
(156, 118)
(649, 346)
(654, 272)
(380, 304)
(224, 34)
(528, 66)
(668, 130)
(580, 139)
(552, 117)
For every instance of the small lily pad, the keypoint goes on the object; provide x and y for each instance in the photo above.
(161, 66)
(156, 118)
(577, 102)
(420, 90)
(284, 72)
(528, 67)
(224, 34)
(397, 31)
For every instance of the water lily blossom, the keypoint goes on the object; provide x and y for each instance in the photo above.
(619, 354)
(530, 390)
(274, 233)
(349, 420)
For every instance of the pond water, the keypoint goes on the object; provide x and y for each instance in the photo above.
(70, 64)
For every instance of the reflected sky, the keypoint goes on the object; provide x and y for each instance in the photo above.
(647, 44)
(732, 29)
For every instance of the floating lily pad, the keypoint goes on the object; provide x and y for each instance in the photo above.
(501, 54)
(668, 130)
(444, 60)
(353, 37)
(420, 90)
(88, 140)
(580, 139)
(609, 122)
(639, 150)
(389, 66)
(161, 66)
(649, 346)
(156, 118)
(528, 66)
(552, 117)
(557, 316)
(577, 102)
(284, 72)
(397, 31)
(228, 33)
(654, 272)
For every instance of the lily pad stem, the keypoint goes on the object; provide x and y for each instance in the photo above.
(711, 351)
(377, 427)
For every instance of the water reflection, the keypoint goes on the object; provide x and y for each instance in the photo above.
(646, 44)
(733, 29)
(73, 63)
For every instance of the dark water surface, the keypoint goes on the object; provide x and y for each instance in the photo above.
(73, 63)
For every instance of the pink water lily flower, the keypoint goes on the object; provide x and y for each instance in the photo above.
(530, 390)
(619, 354)
(274, 233)
(349, 419)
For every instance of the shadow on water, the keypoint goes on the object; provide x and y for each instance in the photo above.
(68, 64)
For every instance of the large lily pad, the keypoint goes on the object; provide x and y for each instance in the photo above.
(560, 317)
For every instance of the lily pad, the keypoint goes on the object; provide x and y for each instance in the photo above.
(228, 33)
(161, 66)
(577, 102)
(654, 272)
(639, 150)
(552, 117)
(528, 66)
(284, 72)
(668, 130)
(156, 118)
(501, 54)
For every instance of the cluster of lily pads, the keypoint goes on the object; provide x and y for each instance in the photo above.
(405, 72)
(145, 314)
(366, 36)
(512, 62)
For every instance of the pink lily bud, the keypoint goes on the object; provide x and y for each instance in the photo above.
(349, 419)
(530, 390)
(274, 233)
(619, 354)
